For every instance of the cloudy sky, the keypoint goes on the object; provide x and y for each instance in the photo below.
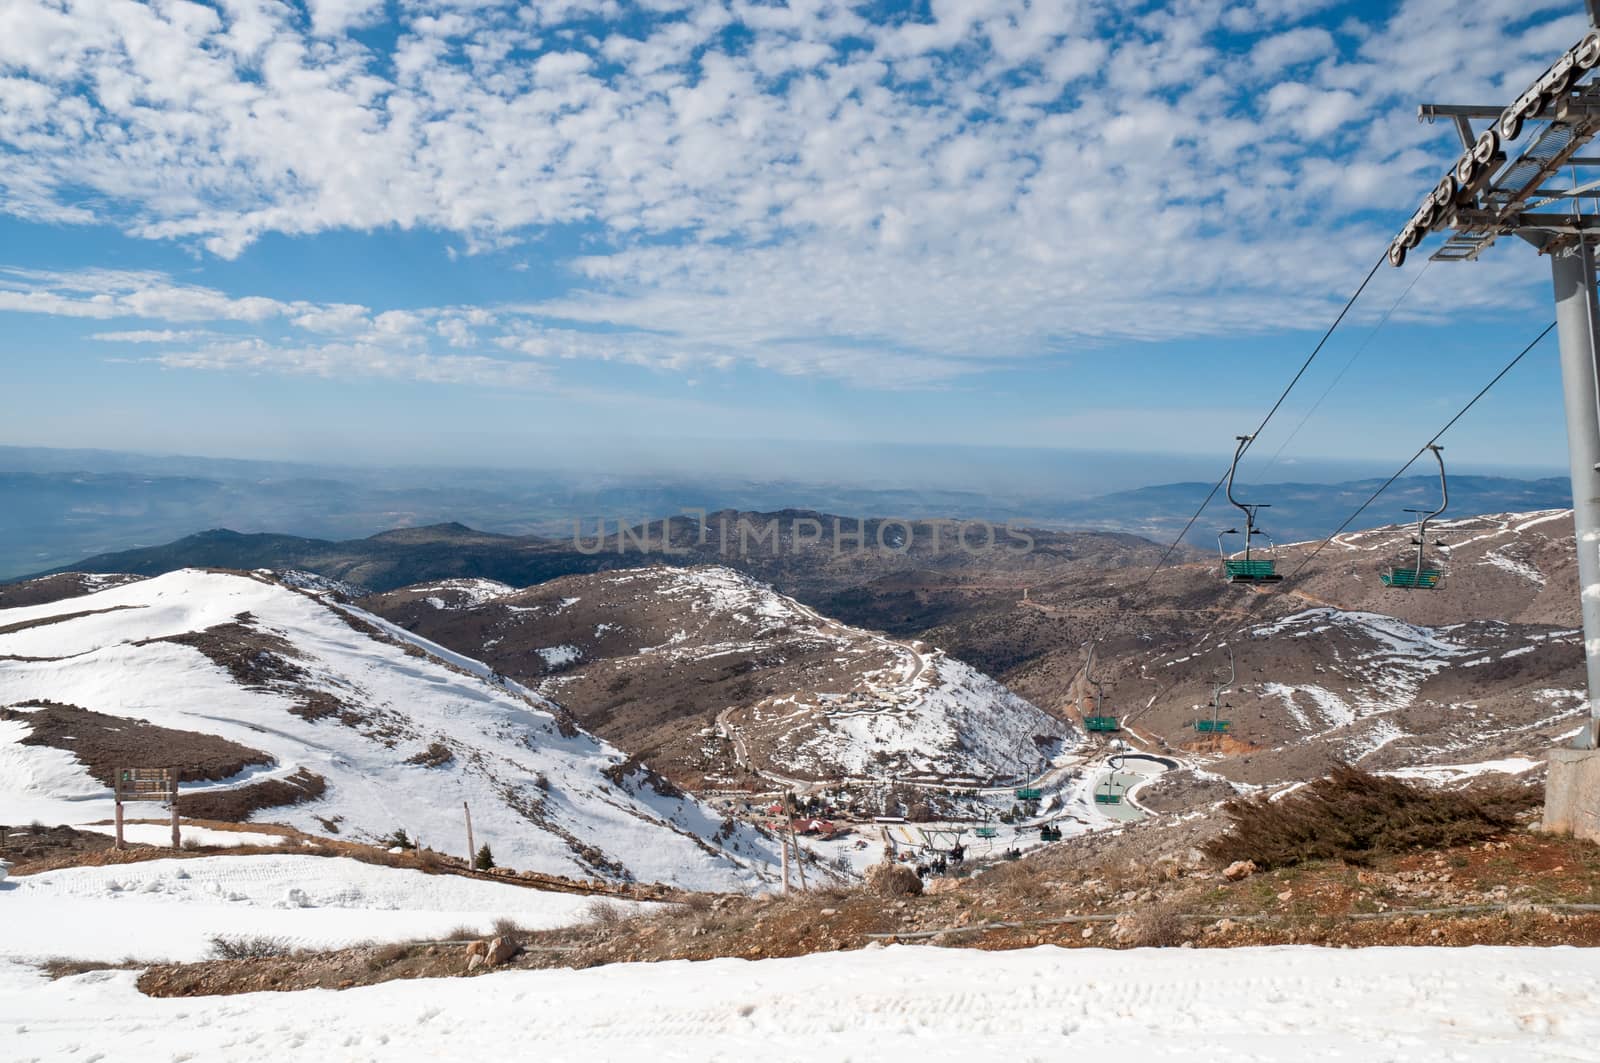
(429, 231)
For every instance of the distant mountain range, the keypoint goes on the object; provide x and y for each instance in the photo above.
(61, 506)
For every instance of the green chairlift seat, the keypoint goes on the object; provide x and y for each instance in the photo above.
(1254, 570)
(1419, 575)
(1028, 793)
(987, 832)
(1425, 579)
(1049, 834)
(1101, 723)
(1212, 726)
(1108, 799)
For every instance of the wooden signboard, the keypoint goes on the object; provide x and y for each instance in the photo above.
(147, 784)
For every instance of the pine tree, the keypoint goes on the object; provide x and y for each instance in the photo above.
(484, 861)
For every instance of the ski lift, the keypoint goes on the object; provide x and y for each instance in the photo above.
(1049, 833)
(1099, 722)
(987, 832)
(1109, 796)
(1028, 793)
(1249, 569)
(1421, 575)
(1215, 725)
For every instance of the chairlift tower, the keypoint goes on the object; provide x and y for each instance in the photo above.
(1494, 191)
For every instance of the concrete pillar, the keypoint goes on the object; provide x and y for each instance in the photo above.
(1572, 789)
(1578, 329)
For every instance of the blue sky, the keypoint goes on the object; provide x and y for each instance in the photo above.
(441, 232)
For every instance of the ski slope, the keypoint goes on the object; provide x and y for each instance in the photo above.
(168, 910)
(896, 1003)
(405, 732)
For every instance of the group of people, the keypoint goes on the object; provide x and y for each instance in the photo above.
(942, 863)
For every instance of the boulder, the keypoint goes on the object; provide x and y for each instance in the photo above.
(501, 950)
(1239, 869)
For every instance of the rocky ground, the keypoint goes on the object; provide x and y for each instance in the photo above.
(1145, 886)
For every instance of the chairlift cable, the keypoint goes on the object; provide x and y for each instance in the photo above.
(1423, 449)
(1167, 555)
(1382, 321)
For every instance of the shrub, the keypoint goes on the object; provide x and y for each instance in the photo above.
(484, 861)
(509, 930)
(238, 947)
(1159, 926)
(607, 915)
(893, 880)
(399, 840)
(1352, 815)
(699, 903)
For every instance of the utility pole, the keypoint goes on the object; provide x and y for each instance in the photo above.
(1491, 193)
(472, 852)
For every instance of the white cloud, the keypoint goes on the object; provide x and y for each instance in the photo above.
(352, 360)
(790, 186)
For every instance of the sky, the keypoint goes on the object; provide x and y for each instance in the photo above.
(465, 231)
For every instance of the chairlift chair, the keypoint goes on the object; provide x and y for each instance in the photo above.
(1049, 833)
(1250, 568)
(1114, 763)
(1421, 575)
(1099, 722)
(1215, 725)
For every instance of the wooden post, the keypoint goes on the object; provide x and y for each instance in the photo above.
(172, 783)
(783, 843)
(472, 852)
(117, 778)
(799, 858)
(788, 823)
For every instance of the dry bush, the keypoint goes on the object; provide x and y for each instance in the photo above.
(464, 933)
(1352, 815)
(240, 947)
(1157, 926)
(698, 903)
(893, 880)
(607, 915)
(61, 967)
(510, 930)
(1016, 884)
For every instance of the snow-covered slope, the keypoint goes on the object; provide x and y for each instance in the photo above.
(169, 910)
(373, 729)
(717, 674)
(1473, 1005)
